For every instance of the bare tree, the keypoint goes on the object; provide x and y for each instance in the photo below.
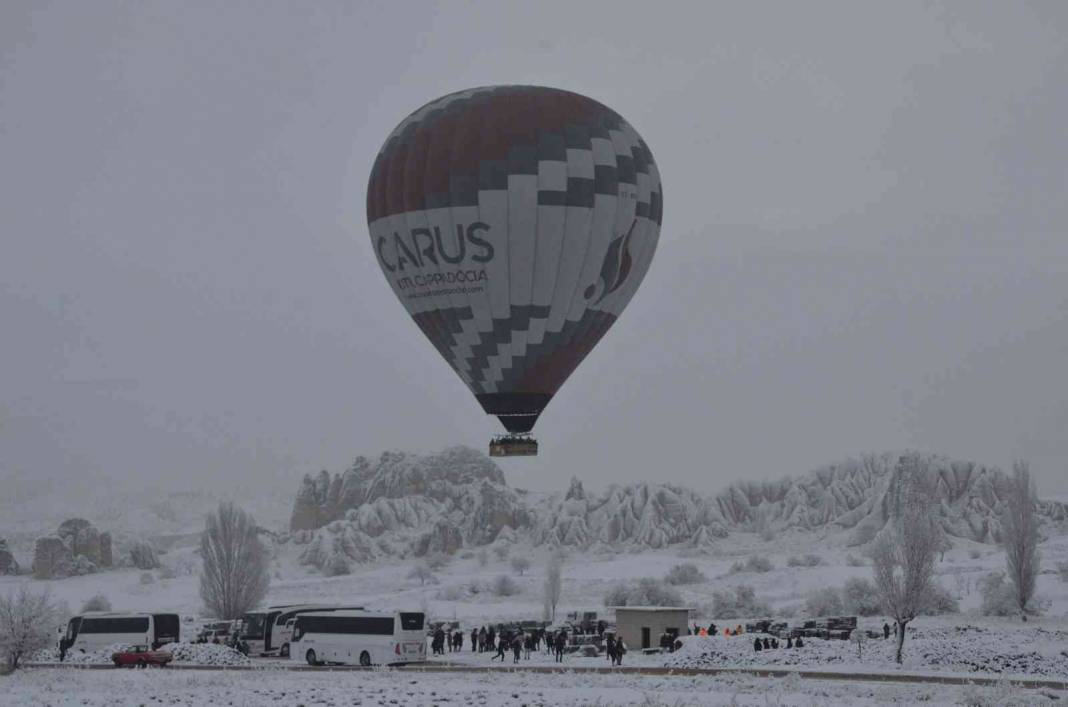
(422, 572)
(1020, 524)
(235, 575)
(520, 564)
(553, 586)
(97, 602)
(903, 555)
(28, 624)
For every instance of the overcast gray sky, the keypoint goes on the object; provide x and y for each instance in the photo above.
(864, 246)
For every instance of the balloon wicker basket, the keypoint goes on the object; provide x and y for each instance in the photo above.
(515, 445)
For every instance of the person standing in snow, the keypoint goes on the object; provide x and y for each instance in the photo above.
(560, 643)
(799, 643)
(886, 631)
(502, 646)
(474, 640)
(610, 648)
(757, 645)
(621, 648)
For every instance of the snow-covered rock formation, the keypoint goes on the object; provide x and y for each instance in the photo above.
(405, 504)
(77, 548)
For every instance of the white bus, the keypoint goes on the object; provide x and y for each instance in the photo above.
(359, 637)
(98, 629)
(265, 632)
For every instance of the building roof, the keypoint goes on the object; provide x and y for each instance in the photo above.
(651, 608)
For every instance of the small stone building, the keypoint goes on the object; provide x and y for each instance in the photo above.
(640, 626)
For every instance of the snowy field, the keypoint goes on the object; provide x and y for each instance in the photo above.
(460, 590)
(958, 644)
(54, 688)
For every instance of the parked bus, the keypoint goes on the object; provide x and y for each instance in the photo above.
(98, 629)
(265, 632)
(359, 637)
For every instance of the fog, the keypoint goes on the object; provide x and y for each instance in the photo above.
(864, 243)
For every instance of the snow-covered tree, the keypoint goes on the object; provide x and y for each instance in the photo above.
(520, 564)
(235, 576)
(1020, 522)
(647, 591)
(553, 585)
(504, 586)
(685, 573)
(28, 622)
(97, 602)
(422, 572)
(903, 554)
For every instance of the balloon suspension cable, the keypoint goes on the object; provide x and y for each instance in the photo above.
(521, 444)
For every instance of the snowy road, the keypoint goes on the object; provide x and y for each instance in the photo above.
(631, 671)
(99, 688)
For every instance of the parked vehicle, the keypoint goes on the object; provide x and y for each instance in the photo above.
(98, 629)
(215, 632)
(265, 633)
(359, 638)
(141, 657)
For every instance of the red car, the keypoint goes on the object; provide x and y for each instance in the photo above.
(141, 657)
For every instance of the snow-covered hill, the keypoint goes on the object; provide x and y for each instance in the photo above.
(404, 504)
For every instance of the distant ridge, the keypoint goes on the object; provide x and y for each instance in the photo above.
(405, 504)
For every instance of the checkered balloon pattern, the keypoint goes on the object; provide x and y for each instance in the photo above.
(514, 223)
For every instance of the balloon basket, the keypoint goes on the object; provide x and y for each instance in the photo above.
(517, 445)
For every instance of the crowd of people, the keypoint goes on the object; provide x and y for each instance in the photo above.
(521, 643)
(502, 640)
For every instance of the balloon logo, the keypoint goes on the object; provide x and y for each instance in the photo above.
(514, 223)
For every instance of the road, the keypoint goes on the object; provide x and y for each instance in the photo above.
(907, 678)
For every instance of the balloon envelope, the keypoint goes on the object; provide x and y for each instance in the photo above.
(514, 223)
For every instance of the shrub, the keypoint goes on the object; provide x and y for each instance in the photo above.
(421, 571)
(754, 563)
(451, 593)
(998, 597)
(804, 561)
(939, 601)
(854, 561)
(739, 603)
(520, 564)
(860, 597)
(167, 572)
(824, 602)
(685, 573)
(437, 560)
(768, 535)
(647, 591)
(337, 566)
(974, 554)
(147, 578)
(483, 557)
(97, 602)
(504, 586)
(1062, 570)
(501, 551)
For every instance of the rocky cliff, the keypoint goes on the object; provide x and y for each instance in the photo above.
(404, 504)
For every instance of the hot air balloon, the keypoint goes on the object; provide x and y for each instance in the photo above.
(514, 223)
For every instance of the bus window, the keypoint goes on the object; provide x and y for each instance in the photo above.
(411, 621)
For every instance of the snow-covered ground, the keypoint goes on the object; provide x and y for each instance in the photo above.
(255, 689)
(949, 645)
(461, 589)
